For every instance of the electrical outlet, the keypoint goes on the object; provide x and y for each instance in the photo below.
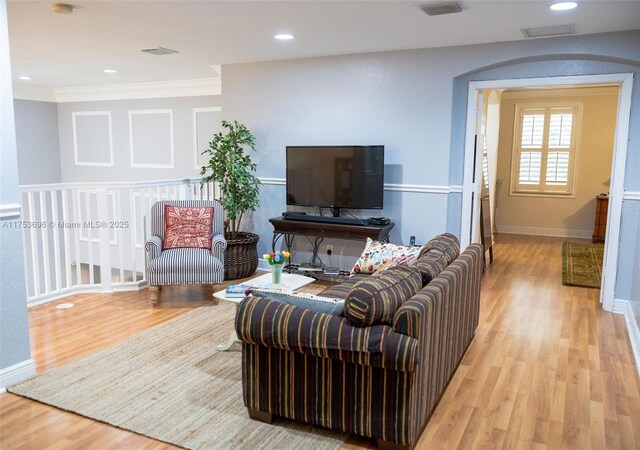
(329, 249)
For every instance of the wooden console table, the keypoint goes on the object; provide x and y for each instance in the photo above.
(320, 230)
(600, 223)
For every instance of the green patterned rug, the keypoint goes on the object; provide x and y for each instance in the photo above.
(582, 264)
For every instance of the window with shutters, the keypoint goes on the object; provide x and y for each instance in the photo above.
(544, 149)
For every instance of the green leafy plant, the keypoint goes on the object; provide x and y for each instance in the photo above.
(233, 170)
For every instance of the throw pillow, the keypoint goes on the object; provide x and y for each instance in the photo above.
(375, 300)
(187, 227)
(377, 253)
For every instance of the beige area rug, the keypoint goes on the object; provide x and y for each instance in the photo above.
(170, 384)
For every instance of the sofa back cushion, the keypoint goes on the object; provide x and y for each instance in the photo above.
(438, 253)
(375, 300)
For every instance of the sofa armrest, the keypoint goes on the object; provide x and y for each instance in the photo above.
(270, 323)
(218, 245)
(153, 247)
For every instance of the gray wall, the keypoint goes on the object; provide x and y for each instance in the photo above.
(14, 333)
(37, 141)
(413, 102)
(151, 138)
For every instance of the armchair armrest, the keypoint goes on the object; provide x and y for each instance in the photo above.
(270, 323)
(218, 245)
(153, 247)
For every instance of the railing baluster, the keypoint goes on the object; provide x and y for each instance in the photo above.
(55, 235)
(35, 260)
(87, 203)
(76, 233)
(65, 234)
(120, 234)
(45, 243)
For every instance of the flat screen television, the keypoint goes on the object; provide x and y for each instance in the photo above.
(336, 176)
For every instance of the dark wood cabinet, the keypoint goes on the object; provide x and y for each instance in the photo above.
(600, 226)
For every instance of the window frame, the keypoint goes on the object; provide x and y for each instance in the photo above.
(542, 189)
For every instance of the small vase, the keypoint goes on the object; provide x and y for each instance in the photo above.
(276, 274)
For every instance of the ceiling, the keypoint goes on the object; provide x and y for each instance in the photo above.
(58, 50)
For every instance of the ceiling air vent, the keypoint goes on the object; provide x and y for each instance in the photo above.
(441, 8)
(554, 30)
(159, 51)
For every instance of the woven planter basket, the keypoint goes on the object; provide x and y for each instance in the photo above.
(241, 255)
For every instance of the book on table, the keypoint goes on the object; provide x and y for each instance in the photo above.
(237, 290)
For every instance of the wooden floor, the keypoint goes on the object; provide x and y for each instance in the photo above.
(548, 369)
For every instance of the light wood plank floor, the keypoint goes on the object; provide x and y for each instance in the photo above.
(548, 369)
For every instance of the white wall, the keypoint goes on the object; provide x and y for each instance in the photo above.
(15, 359)
(38, 142)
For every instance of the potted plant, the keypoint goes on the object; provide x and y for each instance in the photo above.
(232, 169)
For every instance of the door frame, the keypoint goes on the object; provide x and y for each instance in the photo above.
(470, 183)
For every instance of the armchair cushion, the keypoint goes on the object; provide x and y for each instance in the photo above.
(375, 300)
(187, 227)
(179, 260)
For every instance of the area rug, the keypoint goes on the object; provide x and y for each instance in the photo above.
(582, 264)
(169, 383)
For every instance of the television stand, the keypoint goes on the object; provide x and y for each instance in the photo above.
(289, 229)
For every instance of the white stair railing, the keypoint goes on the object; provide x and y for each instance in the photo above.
(89, 237)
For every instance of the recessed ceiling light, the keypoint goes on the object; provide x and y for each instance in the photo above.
(110, 71)
(24, 77)
(563, 6)
(284, 37)
(62, 8)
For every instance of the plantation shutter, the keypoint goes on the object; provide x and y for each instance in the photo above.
(545, 150)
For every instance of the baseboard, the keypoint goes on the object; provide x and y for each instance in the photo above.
(16, 373)
(552, 232)
(624, 307)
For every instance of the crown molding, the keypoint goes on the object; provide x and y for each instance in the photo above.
(34, 92)
(160, 89)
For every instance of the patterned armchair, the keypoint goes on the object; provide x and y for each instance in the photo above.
(184, 265)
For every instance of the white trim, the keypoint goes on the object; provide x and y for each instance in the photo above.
(171, 138)
(16, 373)
(33, 92)
(420, 188)
(624, 307)
(110, 184)
(195, 112)
(160, 89)
(85, 289)
(537, 231)
(10, 211)
(631, 195)
(75, 139)
(612, 241)
(273, 181)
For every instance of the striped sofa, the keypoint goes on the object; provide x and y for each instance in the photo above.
(381, 380)
(184, 265)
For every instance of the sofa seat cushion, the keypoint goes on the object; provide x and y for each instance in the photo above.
(376, 299)
(185, 260)
(324, 304)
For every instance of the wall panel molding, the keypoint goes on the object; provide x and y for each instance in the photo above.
(141, 112)
(195, 111)
(77, 162)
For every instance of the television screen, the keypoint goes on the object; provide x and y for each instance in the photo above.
(336, 176)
